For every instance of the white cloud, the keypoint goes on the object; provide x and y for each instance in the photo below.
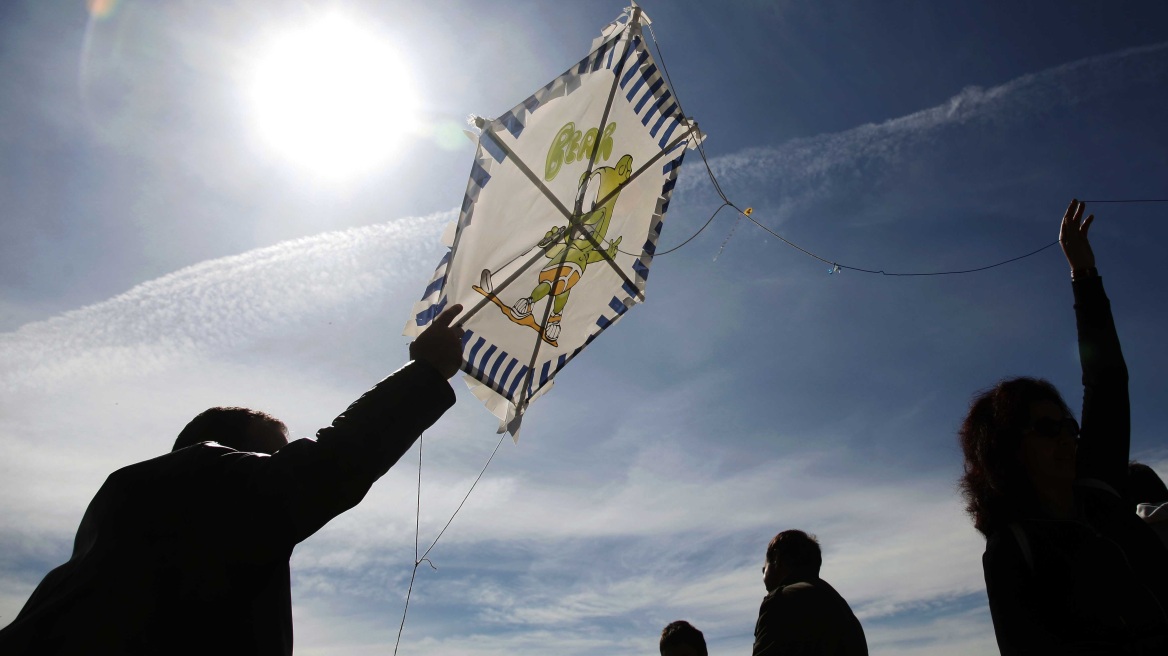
(224, 305)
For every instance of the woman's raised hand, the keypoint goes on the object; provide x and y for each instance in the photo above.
(1073, 237)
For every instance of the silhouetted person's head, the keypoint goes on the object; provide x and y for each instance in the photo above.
(242, 429)
(791, 554)
(1144, 485)
(680, 638)
(1018, 438)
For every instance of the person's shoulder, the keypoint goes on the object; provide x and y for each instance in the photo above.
(183, 457)
(1005, 540)
(210, 451)
(149, 466)
(785, 602)
(200, 448)
(827, 591)
(199, 456)
(799, 588)
(805, 593)
(168, 469)
(807, 604)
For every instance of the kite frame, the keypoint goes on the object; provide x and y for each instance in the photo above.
(643, 74)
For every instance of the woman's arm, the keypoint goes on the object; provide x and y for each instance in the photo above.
(1106, 424)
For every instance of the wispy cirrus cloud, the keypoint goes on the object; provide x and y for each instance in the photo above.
(224, 305)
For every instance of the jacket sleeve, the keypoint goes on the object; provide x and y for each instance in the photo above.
(1106, 431)
(310, 481)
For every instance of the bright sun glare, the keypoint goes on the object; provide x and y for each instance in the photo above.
(333, 97)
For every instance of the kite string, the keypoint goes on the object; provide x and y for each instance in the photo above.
(691, 237)
(1129, 200)
(835, 265)
(464, 498)
(417, 530)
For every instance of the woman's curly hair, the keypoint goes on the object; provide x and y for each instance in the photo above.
(990, 435)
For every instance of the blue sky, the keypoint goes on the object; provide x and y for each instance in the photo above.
(157, 258)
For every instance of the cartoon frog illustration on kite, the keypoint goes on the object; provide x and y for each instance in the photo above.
(568, 258)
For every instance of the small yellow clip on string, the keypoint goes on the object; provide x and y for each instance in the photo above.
(746, 212)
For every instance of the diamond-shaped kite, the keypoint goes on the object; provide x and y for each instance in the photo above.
(566, 200)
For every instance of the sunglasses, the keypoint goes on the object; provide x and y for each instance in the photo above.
(1053, 428)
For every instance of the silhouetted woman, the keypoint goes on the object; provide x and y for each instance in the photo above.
(1069, 568)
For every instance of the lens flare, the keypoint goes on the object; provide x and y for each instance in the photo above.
(101, 8)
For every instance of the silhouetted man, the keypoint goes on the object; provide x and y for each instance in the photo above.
(681, 638)
(801, 614)
(188, 553)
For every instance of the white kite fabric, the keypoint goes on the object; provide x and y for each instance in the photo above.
(566, 200)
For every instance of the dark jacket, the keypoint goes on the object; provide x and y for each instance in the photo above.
(1098, 583)
(188, 553)
(807, 618)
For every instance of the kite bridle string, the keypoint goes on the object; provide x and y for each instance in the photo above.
(418, 526)
(835, 265)
(691, 237)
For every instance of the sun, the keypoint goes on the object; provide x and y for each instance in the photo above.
(333, 97)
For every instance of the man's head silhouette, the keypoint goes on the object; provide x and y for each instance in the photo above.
(791, 553)
(242, 429)
(681, 638)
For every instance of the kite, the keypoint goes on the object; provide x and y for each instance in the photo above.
(566, 201)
